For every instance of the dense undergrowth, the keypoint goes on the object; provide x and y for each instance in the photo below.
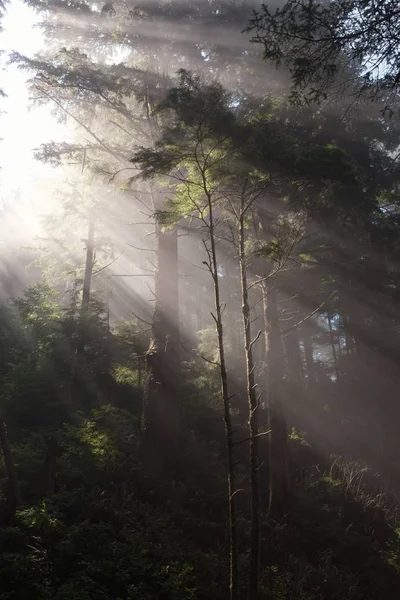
(96, 523)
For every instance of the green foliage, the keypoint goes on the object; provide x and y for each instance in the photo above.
(98, 519)
(270, 250)
(126, 375)
(208, 346)
(298, 436)
(38, 519)
(112, 529)
(131, 340)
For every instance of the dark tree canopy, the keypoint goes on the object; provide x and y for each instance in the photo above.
(343, 45)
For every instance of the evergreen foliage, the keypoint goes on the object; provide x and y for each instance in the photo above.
(228, 426)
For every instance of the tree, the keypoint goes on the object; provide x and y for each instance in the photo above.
(124, 96)
(9, 464)
(247, 198)
(242, 192)
(277, 243)
(161, 391)
(188, 153)
(102, 520)
(87, 282)
(202, 153)
(318, 40)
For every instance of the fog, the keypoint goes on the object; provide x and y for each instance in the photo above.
(85, 127)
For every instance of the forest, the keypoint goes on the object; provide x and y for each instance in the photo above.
(200, 300)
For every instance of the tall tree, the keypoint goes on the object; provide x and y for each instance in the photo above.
(277, 242)
(197, 114)
(87, 282)
(161, 387)
(249, 191)
(9, 464)
(279, 489)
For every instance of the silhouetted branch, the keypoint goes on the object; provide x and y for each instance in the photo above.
(286, 331)
(140, 319)
(253, 437)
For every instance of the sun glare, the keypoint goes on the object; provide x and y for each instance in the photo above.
(22, 127)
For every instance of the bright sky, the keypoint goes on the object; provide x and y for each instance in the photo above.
(22, 130)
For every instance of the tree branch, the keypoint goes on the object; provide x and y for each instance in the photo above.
(309, 316)
(253, 437)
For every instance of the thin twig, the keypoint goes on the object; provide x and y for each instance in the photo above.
(309, 316)
(134, 275)
(212, 362)
(255, 339)
(142, 320)
(141, 249)
(109, 264)
(253, 437)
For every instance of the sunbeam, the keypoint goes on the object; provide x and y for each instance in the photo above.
(199, 300)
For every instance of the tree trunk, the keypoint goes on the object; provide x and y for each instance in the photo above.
(278, 438)
(333, 346)
(87, 282)
(139, 370)
(50, 465)
(233, 314)
(348, 335)
(160, 390)
(199, 310)
(233, 550)
(294, 358)
(9, 465)
(253, 406)
(308, 351)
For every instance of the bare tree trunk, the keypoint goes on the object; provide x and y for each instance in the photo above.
(78, 354)
(87, 282)
(160, 397)
(107, 362)
(233, 316)
(9, 464)
(278, 438)
(308, 351)
(253, 404)
(294, 358)
(348, 335)
(213, 267)
(199, 310)
(139, 369)
(333, 346)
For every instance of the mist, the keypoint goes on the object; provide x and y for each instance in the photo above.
(199, 323)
